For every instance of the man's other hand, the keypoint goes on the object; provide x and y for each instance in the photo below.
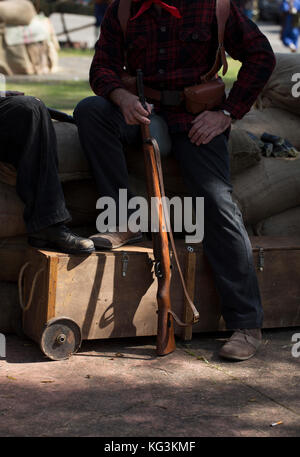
(131, 107)
(207, 126)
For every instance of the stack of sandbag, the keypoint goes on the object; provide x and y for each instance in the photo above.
(269, 194)
(277, 109)
(28, 44)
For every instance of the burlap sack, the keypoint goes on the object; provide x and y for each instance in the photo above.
(20, 12)
(272, 120)
(11, 212)
(72, 163)
(286, 223)
(243, 150)
(278, 91)
(18, 60)
(269, 188)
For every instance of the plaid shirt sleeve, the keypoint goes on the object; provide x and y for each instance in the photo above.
(244, 42)
(108, 60)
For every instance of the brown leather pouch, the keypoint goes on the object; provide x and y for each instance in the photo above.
(205, 96)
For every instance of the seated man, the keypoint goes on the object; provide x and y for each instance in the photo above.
(28, 142)
(175, 44)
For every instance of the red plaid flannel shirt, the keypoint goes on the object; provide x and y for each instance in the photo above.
(173, 54)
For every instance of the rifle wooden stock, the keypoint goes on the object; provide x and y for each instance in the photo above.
(165, 327)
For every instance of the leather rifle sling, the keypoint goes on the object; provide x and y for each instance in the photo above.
(170, 234)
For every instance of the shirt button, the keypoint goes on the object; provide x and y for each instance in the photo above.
(163, 28)
(161, 71)
(162, 51)
(195, 36)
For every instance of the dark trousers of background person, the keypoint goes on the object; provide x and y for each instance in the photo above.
(290, 29)
(206, 170)
(28, 142)
(99, 12)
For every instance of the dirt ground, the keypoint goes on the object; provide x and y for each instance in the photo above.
(119, 388)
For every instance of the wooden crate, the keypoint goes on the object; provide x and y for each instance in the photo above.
(113, 293)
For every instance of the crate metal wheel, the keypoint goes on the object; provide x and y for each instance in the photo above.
(61, 338)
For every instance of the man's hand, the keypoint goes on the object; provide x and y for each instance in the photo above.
(131, 107)
(207, 126)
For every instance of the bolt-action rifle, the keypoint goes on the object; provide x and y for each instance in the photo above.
(155, 186)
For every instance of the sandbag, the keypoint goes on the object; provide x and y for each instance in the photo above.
(72, 163)
(18, 60)
(244, 152)
(269, 188)
(10, 311)
(11, 212)
(272, 120)
(286, 223)
(278, 91)
(19, 12)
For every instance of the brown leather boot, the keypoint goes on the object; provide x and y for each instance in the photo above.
(114, 240)
(242, 345)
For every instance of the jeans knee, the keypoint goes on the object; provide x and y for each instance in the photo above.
(93, 107)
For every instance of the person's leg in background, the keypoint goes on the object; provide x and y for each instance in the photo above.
(28, 142)
(99, 11)
(290, 33)
(206, 170)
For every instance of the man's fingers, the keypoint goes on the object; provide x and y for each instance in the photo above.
(210, 137)
(206, 137)
(196, 134)
(134, 118)
(140, 110)
(196, 128)
(149, 107)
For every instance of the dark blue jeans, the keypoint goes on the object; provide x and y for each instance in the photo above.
(206, 170)
(28, 142)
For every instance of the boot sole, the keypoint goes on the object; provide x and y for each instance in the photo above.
(108, 248)
(48, 246)
(237, 359)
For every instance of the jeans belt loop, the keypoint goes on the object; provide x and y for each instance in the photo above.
(171, 97)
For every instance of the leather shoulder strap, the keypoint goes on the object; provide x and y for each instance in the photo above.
(222, 14)
(124, 14)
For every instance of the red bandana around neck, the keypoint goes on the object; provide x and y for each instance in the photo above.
(148, 3)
